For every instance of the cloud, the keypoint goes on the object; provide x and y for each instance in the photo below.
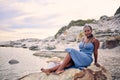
(34, 15)
(8, 10)
(25, 15)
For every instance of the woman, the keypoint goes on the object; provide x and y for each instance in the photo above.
(79, 59)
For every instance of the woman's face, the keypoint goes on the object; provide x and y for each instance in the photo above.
(87, 31)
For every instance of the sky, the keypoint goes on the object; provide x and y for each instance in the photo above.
(21, 19)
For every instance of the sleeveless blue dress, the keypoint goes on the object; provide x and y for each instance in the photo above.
(82, 57)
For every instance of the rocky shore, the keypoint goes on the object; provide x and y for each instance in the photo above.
(106, 30)
(109, 58)
(90, 73)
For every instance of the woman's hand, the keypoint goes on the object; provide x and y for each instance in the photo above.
(98, 65)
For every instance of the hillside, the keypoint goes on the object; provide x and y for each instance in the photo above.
(105, 23)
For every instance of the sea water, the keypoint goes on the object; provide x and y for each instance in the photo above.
(28, 63)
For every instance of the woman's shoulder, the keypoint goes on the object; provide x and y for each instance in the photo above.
(95, 40)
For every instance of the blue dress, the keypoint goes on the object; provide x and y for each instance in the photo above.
(83, 57)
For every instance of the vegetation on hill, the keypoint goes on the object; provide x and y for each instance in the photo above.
(73, 23)
(60, 31)
(80, 22)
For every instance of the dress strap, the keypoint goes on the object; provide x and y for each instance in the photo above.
(83, 43)
(82, 39)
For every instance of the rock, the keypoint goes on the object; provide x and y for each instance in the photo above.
(34, 48)
(111, 42)
(50, 47)
(90, 73)
(105, 18)
(7, 44)
(103, 45)
(49, 54)
(71, 34)
(13, 61)
(93, 73)
(23, 46)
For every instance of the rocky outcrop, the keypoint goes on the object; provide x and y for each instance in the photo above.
(90, 73)
(71, 34)
(7, 44)
(118, 11)
(111, 42)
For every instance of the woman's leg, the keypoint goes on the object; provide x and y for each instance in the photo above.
(66, 63)
(53, 69)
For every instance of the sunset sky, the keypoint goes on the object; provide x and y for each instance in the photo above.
(42, 18)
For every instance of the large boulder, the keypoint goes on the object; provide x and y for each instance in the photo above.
(111, 42)
(90, 73)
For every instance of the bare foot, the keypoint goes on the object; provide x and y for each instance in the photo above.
(59, 72)
(47, 71)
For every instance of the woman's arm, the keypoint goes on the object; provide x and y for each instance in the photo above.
(96, 46)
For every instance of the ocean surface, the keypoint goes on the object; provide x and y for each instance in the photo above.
(28, 63)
